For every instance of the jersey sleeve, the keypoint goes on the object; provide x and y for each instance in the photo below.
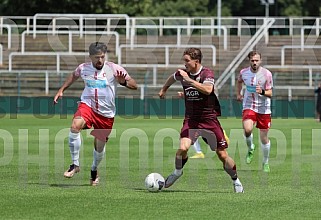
(269, 80)
(240, 78)
(77, 71)
(208, 77)
(177, 76)
(118, 68)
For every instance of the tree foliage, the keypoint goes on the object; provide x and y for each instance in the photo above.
(161, 8)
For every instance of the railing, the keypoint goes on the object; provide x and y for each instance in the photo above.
(317, 32)
(24, 25)
(56, 54)
(9, 29)
(179, 31)
(44, 74)
(41, 73)
(166, 47)
(229, 71)
(242, 25)
(295, 47)
(1, 54)
(310, 69)
(70, 41)
(294, 26)
(21, 75)
(81, 19)
(291, 25)
(154, 70)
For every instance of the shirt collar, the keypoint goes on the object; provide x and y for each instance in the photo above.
(194, 74)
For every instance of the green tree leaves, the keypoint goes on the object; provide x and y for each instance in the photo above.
(161, 8)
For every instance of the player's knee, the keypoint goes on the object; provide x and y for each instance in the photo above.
(265, 140)
(75, 129)
(183, 147)
(222, 154)
(181, 152)
(247, 132)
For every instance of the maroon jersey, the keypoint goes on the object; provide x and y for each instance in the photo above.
(197, 104)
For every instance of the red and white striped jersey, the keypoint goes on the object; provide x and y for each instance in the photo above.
(100, 87)
(252, 100)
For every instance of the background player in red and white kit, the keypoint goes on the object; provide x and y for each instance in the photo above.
(97, 104)
(256, 105)
(200, 115)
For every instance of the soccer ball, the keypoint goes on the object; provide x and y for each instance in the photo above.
(154, 182)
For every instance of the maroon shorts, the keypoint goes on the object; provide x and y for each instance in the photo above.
(102, 125)
(210, 129)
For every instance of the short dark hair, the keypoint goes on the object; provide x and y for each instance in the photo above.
(253, 53)
(194, 53)
(97, 47)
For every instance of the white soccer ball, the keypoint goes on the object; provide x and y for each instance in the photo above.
(154, 182)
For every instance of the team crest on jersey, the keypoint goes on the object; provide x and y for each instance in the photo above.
(198, 79)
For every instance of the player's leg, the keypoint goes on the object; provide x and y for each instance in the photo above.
(263, 123)
(102, 129)
(98, 155)
(248, 128)
(248, 125)
(249, 118)
(266, 146)
(78, 123)
(226, 138)
(317, 112)
(214, 139)
(180, 160)
(198, 150)
(230, 168)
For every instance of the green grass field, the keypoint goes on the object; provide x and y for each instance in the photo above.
(34, 154)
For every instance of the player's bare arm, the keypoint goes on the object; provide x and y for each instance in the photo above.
(239, 86)
(170, 81)
(69, 81)
(130, 83)
(180, 94)
(261, 91)
(205, 88)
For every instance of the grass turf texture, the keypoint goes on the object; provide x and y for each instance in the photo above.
(34, 154)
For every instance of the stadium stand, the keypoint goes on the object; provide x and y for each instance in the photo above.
(36, 54)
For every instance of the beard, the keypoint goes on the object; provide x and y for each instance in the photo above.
(99, 66)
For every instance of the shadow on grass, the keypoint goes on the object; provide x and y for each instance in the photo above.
(69, 185)
(181, 191)
(62, 185)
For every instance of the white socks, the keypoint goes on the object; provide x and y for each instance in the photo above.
(98, 156)
(265, 148)
(74, 146)
(266, 151)
(249, 142)
(237, 181)
(197, 146)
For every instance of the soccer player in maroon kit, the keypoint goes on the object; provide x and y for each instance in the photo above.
(200, 115)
